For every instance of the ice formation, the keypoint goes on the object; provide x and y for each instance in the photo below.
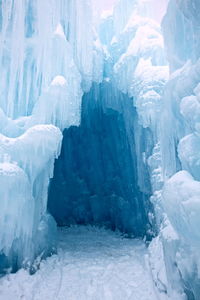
(96, 169)
(44, 73)
(126, 95)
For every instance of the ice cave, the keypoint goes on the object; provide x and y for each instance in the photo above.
(100, 149)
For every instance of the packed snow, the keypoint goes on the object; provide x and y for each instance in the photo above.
(91, 263)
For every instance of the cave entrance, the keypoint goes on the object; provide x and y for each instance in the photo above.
(95, 178)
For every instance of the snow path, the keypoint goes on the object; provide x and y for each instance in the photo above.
(91, 264)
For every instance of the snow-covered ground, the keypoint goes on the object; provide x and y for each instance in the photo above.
(91, 264)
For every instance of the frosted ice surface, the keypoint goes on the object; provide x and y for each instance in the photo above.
(33, 150)
(49, 56)
(57, 105)
(182, 204)
(22, 209)
(17, 204)
(189, 154)
(190, 109)
(179, 141)
(91, 264)
(46, 62)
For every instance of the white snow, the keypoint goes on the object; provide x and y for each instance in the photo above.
(91, 264)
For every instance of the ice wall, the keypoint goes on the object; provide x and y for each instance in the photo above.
(95, 178)
(47, 58)
(31, 39)
(137, 68)
(179, 155)
(136, 56)
(181, 31)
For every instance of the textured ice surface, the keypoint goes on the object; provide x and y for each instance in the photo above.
(182, 204)
(16, 202)
(179, 145)
(95, 178)
(168, 108)
(49, 57)
(44, 71)
(91, 264)
(30, 43)
(26, 165)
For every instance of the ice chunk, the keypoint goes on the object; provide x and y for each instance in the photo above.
(24, 193)
(182, 203)
(190, 109)
(189, 154)
(16, 214)
(33, 150)
(58, 105)
(150, 45)
(122, 12)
